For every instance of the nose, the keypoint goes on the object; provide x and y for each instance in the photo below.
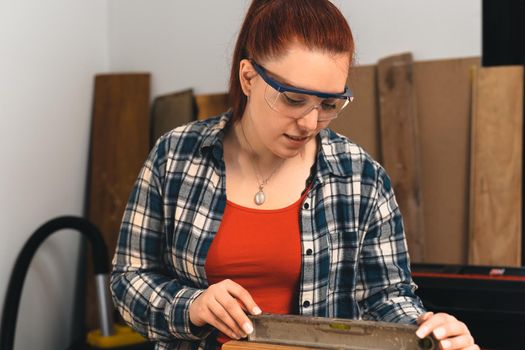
(309, 120)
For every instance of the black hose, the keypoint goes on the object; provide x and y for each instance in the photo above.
(16, 282)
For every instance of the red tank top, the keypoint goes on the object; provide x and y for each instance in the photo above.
(261, 251)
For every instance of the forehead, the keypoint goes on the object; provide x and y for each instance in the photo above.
(310, 69)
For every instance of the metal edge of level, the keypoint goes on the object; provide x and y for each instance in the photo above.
(335, 333)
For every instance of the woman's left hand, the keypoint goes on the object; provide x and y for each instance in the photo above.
(451, 333)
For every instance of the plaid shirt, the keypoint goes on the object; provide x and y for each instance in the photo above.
(354, 256)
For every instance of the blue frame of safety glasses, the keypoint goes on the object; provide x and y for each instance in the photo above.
(345, 95)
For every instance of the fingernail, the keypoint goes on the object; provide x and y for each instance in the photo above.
(235, 336)
(256, 311)
(445, 344)
(439, 333)
(422, 332)
(247, 328)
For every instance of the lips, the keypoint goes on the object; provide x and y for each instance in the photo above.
(297, 138)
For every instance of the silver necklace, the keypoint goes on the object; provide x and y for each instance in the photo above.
(259, 197)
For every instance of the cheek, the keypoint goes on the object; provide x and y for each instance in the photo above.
(268, 121)
(321, 126)
(269, 125)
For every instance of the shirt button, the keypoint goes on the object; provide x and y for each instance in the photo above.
(306, 303)
(306, 206)
(309, 251)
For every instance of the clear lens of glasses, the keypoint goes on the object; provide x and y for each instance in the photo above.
(297, 105)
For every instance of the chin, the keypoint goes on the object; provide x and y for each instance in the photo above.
(288, 153)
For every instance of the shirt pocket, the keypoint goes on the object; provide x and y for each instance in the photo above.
(344, 251)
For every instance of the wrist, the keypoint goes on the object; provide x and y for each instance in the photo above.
(195, 320)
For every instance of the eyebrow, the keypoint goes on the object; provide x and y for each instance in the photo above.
(324, 95)
(282, 81)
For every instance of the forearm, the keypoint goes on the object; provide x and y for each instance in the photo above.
(395, 303)
(385, 288)
(155, 305)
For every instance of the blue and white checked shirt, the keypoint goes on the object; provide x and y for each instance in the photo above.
(354, 256)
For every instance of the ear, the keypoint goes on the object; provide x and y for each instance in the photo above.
(246, 75)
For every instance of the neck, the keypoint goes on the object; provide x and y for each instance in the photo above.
(252, 147)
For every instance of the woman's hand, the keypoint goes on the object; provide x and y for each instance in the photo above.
(222, 305)
(451, 333)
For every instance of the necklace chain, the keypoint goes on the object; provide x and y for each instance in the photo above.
(260, 197)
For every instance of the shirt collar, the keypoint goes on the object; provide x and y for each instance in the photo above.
(334, 156)
(214, 134)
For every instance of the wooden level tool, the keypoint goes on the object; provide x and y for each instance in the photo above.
(333, 333)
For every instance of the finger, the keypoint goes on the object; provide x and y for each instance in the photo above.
(433, 322)
(244, 297)
(235, 311)
(219, 312)
(241, 305)
(424, 317)
(222, 327)
(451, 329)
(460, 342)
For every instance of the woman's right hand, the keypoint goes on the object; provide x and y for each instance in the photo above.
(222, 306)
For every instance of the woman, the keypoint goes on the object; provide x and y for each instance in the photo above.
(265, 209)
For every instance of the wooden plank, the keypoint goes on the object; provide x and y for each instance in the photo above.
(360, 120)
(245, 345)
(400, 144)
(443, 93)
(210, 105)
(496, 167)
(119, 146)
(170, 111)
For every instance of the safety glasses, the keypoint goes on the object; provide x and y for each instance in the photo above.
(295, 103)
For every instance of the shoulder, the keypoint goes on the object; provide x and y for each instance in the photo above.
(186, 143)
(186, 140)
(347, 159)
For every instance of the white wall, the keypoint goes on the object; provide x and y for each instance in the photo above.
(430, 29)
(183, 43)
(188, 43)
(49, 52)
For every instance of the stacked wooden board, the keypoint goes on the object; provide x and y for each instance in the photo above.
(443, 92)
(171, 110)
(119, 146)
(446, 112)
(441, 106)
(496, 167)
(400, 144)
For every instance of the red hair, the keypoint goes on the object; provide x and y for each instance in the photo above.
(270, 26)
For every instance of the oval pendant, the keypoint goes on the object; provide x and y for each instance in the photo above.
(259, 198)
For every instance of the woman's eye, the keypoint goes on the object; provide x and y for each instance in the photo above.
(327, 106)
(292, 101)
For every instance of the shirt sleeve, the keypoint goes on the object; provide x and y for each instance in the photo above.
(385, 290)
(150, 300)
